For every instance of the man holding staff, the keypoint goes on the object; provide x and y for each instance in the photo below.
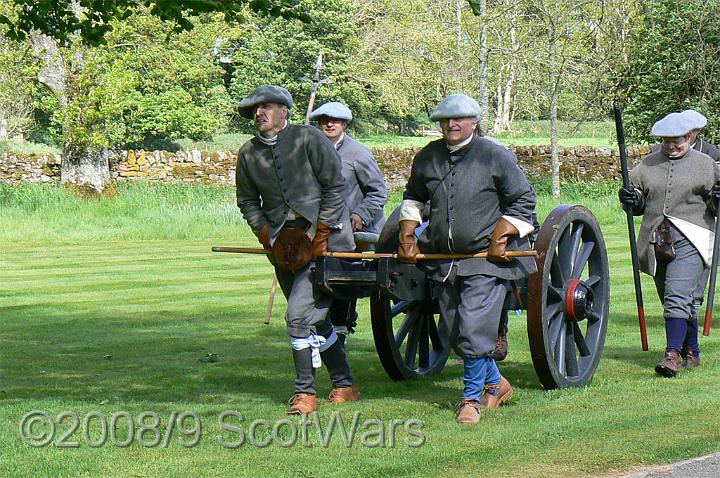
(675, 191)
(291, 192)
(366, 193)
(480, 200)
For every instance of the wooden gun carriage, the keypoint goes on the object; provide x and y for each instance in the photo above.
(567, 302)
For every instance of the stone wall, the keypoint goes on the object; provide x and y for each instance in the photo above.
(583, 163)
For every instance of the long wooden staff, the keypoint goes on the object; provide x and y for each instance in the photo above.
(713, 276)
(631, 226)
(376, 255)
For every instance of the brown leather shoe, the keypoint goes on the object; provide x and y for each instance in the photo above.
(504, 392)
(344, 394)
(670, 365)
(690, 359)
(501, 347)
(302, 403)
(468, 411)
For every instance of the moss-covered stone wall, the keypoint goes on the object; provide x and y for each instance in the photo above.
(583, 163)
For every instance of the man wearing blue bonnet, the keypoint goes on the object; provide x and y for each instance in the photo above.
(291, 192)
(366, 193)
(479, 200)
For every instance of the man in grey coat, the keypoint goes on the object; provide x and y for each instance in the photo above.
(698, 122)
(366, 193)
(675, 191)
(291, 192)
(480, 200)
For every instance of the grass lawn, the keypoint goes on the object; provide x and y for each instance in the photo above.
(119, 305)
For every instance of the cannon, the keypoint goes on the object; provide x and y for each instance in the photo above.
(567, 301)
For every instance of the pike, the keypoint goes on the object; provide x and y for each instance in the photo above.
(631, 225)
(713, 275)
(377, 255)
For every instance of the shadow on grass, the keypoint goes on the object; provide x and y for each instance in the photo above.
(174, 356)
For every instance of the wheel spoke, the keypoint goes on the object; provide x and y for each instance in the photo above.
(565, 253)
(557, 278)
(553, 309)
(410, 319)
(591, 314)
(576, 239)
(411, 345)
(580, 341)
(581, 259)
(434, 334)
(555, 292)
(424, 340)
(571, 364)
(555, 324)
(592, 281)
(560, 346)
(400, 307)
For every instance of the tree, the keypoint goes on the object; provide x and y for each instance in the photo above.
(562, 34)
(674, 60)
(17, 90)
(91, 20)
(91, 90)
(282, 51)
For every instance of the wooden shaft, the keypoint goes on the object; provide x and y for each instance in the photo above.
(620, 131)
(425, 257)
(376, 255)
(713, 279)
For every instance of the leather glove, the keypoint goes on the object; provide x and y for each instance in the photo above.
(264, 236)
(320, 241)
(499, 239)
(715, 192)
(630, 196)
(408, 248)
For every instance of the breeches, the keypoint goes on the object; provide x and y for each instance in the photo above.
(470, 308)
(306, 312)
(681, 283)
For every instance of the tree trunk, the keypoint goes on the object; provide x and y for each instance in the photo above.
(80, 166)
(483, 82)
(505, 96)
(555, 92)
(83, 168)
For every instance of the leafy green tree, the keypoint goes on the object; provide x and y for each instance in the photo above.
(102, 101)
(674, 62)
(91, 20)
(282, 51)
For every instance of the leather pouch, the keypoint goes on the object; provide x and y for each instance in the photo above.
(662, 240)
(292, 249)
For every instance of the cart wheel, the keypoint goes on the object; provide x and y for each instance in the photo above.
(568, 298)
(409, 337)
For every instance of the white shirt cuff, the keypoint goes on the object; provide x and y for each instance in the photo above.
(411, 210)
(523, 227)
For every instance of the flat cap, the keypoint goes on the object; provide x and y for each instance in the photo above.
(698, 119)
(673, 125)
(264, 94)
(333, 109)
(456, 106)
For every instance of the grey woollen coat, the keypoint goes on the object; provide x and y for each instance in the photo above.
(366, 188)
(673, 187)
(468, 193)
(302, 172)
